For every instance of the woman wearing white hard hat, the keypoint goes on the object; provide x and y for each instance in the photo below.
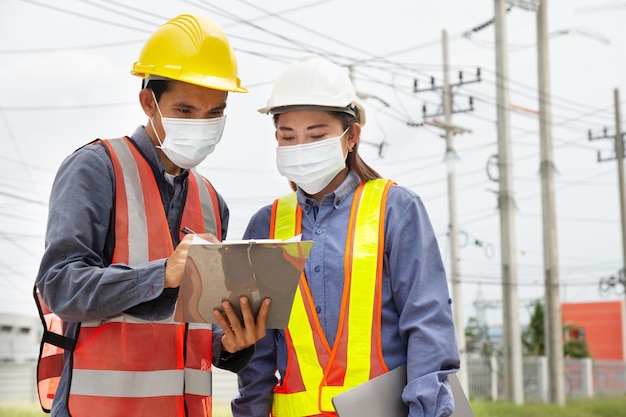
(373, 295)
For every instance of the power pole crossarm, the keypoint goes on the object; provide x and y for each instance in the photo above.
(447, 126)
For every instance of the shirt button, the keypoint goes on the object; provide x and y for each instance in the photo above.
(317, 268)
(318, 232)
(318, 309)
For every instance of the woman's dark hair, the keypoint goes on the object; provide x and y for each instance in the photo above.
(354, 160)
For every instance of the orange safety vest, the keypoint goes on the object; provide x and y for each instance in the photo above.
(316, 371)
(124, 365)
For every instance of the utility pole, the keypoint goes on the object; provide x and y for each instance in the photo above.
(453, 229)
(512, 348)
(451, 130)
(552, 318)
(619, 155)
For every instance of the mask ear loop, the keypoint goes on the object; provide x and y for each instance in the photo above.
(340, 136)
(152, 123)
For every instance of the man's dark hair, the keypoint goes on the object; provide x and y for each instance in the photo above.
(158, 87)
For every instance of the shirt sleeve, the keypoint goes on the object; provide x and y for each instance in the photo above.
(420, 292)
(257, 380)
(75, 279)
(224, 359)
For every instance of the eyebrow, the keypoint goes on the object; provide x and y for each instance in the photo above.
(188, 106)
(312, 127)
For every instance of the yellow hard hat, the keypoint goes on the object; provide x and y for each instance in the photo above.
(192, 49)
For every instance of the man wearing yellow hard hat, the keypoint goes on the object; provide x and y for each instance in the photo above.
(115, 251)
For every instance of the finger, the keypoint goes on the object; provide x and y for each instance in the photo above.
(261, 318)
(232, 317)
(246, 312)
(185, 242)
(260, 328)
(229, 340)
(209, 237)
(221, 319)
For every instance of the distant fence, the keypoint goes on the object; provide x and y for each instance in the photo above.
(584, 378)
(17, 382)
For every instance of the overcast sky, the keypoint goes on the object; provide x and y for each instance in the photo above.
(64, 80)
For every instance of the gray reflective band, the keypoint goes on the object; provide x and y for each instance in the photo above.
(198, 382)
(127, 384)
(141, 384)
(137, 226)
(200, 326)
(123, 318)
(206, 203)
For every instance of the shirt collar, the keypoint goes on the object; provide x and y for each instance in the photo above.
(340, 194)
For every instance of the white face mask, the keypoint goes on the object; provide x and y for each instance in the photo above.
(189, 141)
(312, 166)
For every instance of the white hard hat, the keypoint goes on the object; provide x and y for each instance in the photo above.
(314, 83)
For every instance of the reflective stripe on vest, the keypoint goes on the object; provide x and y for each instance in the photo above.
(127, 366)
(50, 361)
(315, 371)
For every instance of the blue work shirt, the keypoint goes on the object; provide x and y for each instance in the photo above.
(76, 279)
(417, 323)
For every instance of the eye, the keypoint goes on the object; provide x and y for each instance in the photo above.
(183, 110)
(216, 113)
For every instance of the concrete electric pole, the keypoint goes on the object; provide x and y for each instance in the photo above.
(512, 344)
(619, 155)
(552, 318)
(451, 130)
(453, 229)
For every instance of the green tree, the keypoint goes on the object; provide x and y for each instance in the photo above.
(533, 338)
(477, 338)
(575, 345)
(575, 348)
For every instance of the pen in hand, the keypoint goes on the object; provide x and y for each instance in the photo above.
(187, 231)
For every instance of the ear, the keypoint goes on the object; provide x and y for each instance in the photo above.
(276, 135)
(355, 134)
(146, 99)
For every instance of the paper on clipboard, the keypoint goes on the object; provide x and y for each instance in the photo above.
(227, 270)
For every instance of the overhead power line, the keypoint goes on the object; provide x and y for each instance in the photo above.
(86, 16)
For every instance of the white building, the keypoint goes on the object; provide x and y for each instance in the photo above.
(19, 337)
